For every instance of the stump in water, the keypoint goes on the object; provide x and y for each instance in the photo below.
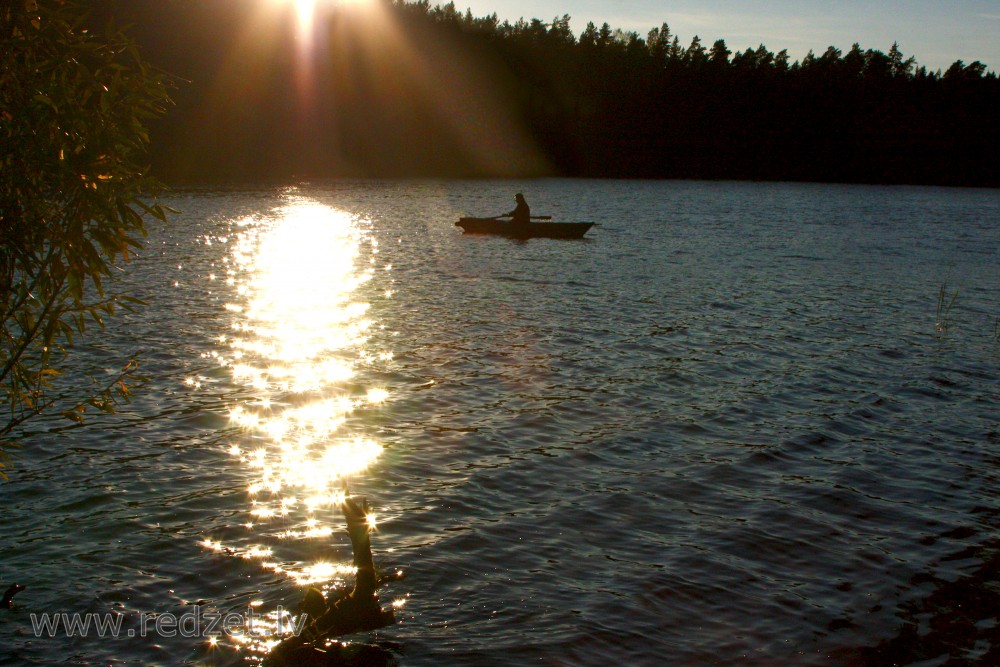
(356, 611)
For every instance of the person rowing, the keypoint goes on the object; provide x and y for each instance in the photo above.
(522, 212)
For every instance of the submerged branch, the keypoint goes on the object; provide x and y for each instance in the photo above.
(356, 611)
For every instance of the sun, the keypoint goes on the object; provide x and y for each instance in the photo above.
(306, 11)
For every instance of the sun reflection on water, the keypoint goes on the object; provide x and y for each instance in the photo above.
(300, 334)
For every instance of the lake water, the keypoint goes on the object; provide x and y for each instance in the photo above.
(732, 424)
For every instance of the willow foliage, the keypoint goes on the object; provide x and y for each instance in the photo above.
(73, 104)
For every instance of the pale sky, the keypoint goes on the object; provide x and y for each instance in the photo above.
(936, 32)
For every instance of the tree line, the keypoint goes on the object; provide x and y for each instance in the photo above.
(446, 93)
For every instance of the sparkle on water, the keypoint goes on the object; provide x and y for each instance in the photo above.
(299, 331)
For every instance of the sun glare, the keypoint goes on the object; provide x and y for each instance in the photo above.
(300, 335)
(305, 12)
(302, 329)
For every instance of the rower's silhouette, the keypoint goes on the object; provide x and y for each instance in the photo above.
(522, 212)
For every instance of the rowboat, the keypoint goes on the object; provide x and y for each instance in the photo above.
(529, 230)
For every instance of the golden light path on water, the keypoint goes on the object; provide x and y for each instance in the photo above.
(299, 333)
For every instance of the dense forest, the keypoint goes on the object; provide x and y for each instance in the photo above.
(410, 89)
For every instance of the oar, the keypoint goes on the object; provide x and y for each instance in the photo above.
(534, 217)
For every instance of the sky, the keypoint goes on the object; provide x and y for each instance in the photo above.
(936, 32)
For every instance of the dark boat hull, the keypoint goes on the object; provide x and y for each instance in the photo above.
(531, 230)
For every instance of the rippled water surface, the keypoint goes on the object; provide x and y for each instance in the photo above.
(731, 424)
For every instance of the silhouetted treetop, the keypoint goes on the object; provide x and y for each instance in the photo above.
(493, 97)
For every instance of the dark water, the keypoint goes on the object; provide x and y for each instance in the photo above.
(732, 425)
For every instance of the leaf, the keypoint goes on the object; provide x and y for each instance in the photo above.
(74, 416)
(45, 99)
(67, 332)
